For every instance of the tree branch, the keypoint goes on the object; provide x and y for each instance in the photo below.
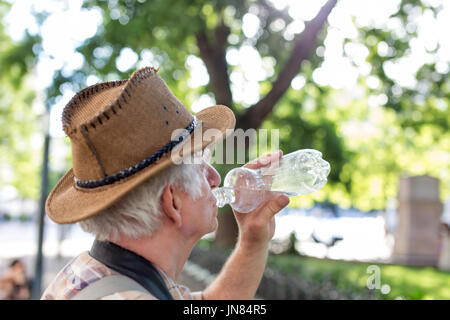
(304, 44)
(274, 13)
(213, 55)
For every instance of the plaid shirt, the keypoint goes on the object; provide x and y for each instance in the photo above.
(84, 270)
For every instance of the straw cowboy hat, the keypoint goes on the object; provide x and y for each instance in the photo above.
(121, 135)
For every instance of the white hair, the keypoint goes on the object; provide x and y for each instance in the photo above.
(139, 213)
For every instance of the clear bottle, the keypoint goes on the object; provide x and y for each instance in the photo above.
(300, 172)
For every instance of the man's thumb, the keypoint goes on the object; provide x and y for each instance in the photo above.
(275, 205)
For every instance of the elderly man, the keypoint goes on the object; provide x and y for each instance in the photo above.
(146, 212)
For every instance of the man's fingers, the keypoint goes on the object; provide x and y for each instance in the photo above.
(264, 160)
(275, 205)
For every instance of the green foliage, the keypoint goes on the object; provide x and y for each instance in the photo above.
(415, 107)
(17, 120)
(411, 131)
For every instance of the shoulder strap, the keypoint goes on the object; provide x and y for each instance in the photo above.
(131, 265)
(107, 286)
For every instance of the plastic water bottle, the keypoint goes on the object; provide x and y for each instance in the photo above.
(300, 172)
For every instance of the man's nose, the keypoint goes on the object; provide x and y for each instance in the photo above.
(213, 176)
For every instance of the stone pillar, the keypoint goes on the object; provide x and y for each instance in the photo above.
(419, 219)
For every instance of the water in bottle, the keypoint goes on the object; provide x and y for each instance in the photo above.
(300, 172)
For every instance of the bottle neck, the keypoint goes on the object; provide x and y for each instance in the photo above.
(223, 196)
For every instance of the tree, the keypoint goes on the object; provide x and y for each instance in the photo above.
(172, 30)
(172, 34)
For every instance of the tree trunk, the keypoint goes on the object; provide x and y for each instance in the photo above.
(227, 232)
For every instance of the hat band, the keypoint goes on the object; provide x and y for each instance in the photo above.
(141, 165)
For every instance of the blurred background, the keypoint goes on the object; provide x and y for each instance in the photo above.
(364, 82)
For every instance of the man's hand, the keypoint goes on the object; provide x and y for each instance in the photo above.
(257, 228)
(241, 275)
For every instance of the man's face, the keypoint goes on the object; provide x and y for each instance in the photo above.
(201, 213)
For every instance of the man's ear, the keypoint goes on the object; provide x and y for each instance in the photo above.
(171, 204)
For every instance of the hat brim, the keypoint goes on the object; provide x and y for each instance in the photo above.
(69, 204)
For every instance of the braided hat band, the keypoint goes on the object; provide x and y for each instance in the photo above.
(89, 184)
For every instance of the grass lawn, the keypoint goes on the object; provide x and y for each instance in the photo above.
(403, 281)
